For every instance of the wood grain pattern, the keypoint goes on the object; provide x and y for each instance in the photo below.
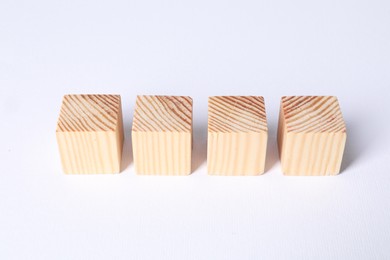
(90, 134)
(162, 135)
(237, 135)
(311, 135)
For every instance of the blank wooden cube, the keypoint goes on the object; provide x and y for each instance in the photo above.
(162, 135)
(237, 135)
(311, 135)
(90, 134)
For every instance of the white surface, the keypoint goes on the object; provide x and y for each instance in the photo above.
(195, 48)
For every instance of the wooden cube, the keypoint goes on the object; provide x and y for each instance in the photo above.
(90, 134)
(237, 135)
(311, 135)
(162, 135)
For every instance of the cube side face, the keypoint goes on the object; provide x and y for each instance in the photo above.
(120, 135)
(162, 153)
(281, 131)
(236, 154)
(313, 154)
(89, 152)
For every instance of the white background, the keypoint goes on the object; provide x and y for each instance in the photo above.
(195, 48)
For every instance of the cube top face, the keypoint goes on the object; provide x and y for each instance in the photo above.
(237, 114)
(163, 114)
(89, 113)
(312, 114)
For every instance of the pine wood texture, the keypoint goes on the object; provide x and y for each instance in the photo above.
(237, 135)
(90, 134)
(311, 135)
(162, 135)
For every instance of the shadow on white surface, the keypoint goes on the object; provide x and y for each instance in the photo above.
(127, 152)
(199, 149)
(356, 145)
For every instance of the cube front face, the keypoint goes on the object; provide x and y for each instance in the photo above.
(236, 153)
(313, 154)
(237, 136)
(162, 135)
(89, 153)
(90, 134)
(162, 153)
(311, 135)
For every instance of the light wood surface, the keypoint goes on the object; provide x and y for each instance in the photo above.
(237, 135)
(162, 135)
(90, 134)
(311, 135)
